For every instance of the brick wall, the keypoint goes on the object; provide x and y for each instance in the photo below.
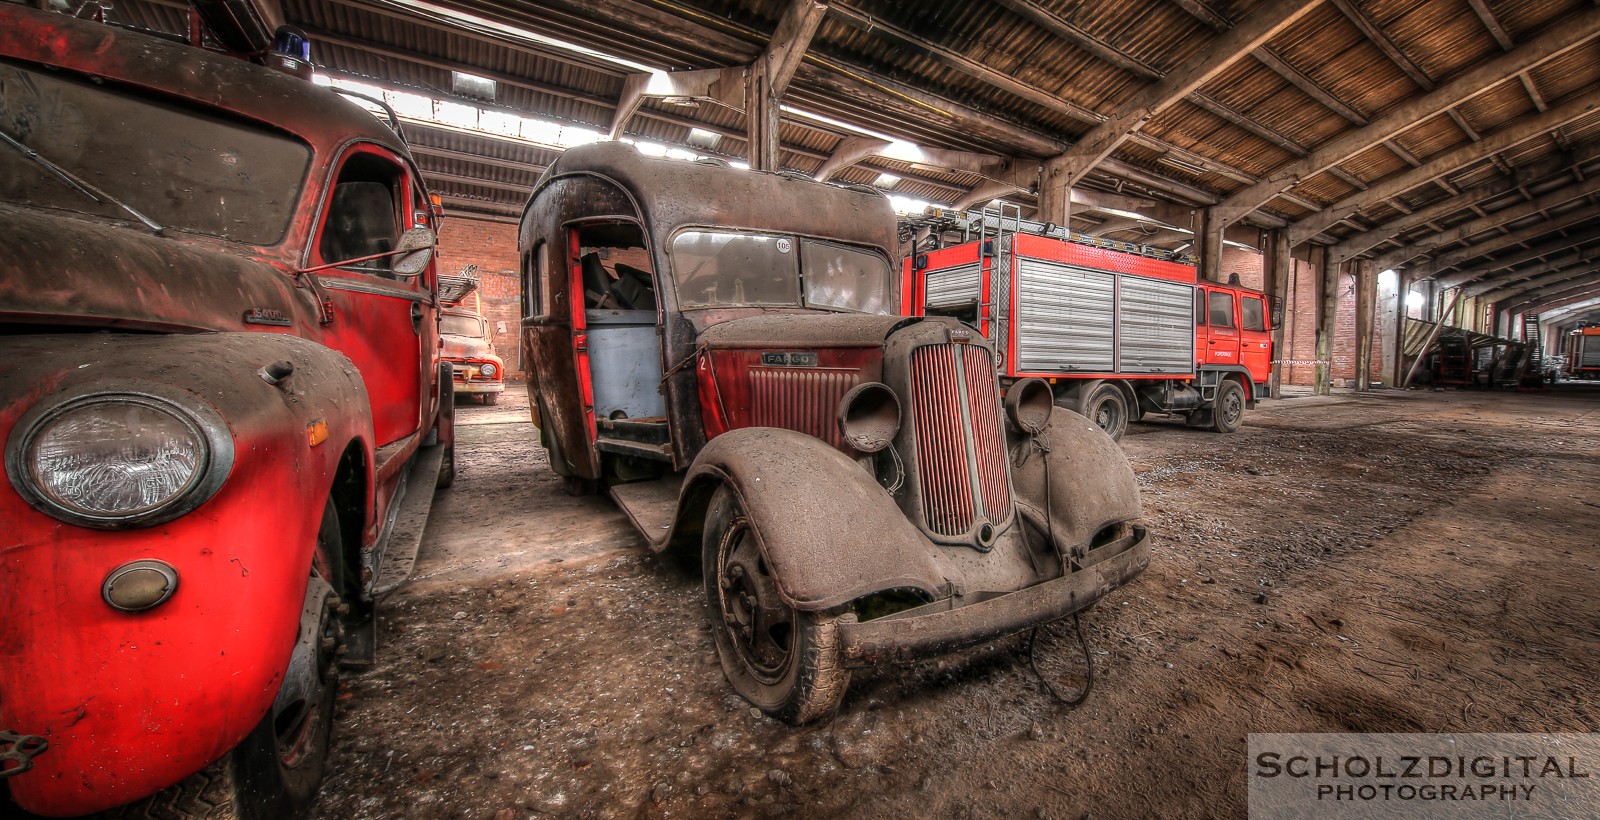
(1300, 323)
(492, 246)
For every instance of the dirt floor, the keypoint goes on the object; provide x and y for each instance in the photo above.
(1417, 561)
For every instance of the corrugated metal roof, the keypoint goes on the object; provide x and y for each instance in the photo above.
(917, 70)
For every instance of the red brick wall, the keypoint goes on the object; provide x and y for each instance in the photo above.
(1300, 323)
(492, 246)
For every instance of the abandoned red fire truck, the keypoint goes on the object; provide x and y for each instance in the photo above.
(721, 349)
(1583, 353)
(1119, 329)
(218, 374)
(467, 344)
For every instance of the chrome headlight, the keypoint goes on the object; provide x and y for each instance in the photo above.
(488, 370)
(119, 459)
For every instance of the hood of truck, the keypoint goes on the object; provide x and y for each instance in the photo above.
(466, 347)
(801, 329)
(60, 270)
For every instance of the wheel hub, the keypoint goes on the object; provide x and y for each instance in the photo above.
(755, 617)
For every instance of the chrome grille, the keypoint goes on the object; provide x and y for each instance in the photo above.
(959, 487)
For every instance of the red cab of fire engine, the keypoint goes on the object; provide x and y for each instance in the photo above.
(219, 358)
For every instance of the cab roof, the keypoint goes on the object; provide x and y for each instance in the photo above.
(317, 115)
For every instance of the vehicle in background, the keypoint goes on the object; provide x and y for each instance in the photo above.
(468, 344)
(1118, 329)
(219, 390)
(722, 351)
(1583, 353)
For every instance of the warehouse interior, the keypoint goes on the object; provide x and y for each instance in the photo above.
(1399, 539)
(1331, 141)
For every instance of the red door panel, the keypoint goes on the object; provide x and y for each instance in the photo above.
(1222, 329)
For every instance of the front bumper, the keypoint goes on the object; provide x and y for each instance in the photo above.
(480, 387)
(909, 636)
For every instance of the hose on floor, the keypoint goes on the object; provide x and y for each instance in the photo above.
(1088, 665)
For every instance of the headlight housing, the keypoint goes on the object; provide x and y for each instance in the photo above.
(117, 459)
(488, 370)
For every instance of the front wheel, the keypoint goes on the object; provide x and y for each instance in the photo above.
(784, 661)
(1227, 414)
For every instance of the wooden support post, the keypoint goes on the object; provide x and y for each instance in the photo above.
(1327, 316)
(1275, 283)
(761, 121)
(1397, 358)
(1366, 304)
(1208, 244)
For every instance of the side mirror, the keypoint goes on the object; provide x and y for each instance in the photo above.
(414, 252)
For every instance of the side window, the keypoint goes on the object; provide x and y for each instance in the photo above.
(1221, 314)
(1252, 314)
(1199, 307)
(535, 267)
(363, 217)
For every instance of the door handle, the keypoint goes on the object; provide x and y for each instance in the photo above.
(416, 318)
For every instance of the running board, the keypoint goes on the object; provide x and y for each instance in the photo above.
(401, 541)
(650, 506)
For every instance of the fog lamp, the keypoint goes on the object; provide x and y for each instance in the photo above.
(140, 585)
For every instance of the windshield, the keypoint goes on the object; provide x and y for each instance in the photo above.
(185, 170)
(726, 269)
(457, 325)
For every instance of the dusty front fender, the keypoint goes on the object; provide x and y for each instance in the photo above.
(830, 533)
(1090, 486)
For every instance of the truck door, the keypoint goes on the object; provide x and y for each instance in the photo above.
(1255, 340)
(1222, 329)
(384, 322)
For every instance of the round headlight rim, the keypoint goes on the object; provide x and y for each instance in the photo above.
(1022, 409)
(488, 370)
(861, 392)
(215, 438)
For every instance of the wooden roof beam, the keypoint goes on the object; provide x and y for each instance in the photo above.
(1438, 166)
(1555, 41)
(1384, 44)
(1492, 24)
(1494, 219)
(1543, 285)
(1570, 219)
(1557, 251)
(1359, 243)
(1312, 88)
(1533, 91)
(1059, 26)
(1572, 306)
(1504, 272)
(1199, 11)
(1229, 46)
(1244, 121)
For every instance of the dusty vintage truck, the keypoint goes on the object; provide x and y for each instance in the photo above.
(467, 345)
(219, 374)
(719, 348)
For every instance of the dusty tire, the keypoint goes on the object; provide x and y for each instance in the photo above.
(1227, 413)
(275, 771)
(785, 662)
(491, 399)
(1107, 407)
(445, 432)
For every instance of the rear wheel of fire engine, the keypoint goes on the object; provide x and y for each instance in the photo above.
(275, 771)
(1107, 407)
(1227, 415)
(784, 661)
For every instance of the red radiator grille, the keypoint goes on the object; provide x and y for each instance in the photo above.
(941, 448)
(800, 399)
(983, 398)
(949, 499)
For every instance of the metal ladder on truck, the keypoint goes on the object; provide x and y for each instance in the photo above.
(995, 242)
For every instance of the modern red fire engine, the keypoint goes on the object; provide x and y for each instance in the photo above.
(1583, 354)
(1119, 329)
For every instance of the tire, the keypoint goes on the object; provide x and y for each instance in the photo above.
(445, 432)
(785, 662)
(1227, 412)
(276, 770)
(1107, 407)
(491, 399)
